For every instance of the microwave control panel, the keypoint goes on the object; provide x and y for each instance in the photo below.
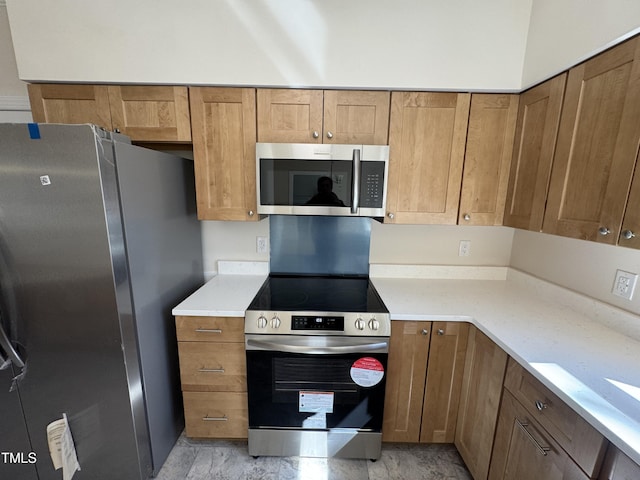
(371, 184)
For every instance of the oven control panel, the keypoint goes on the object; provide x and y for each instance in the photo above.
(317, 323)
(313, 322)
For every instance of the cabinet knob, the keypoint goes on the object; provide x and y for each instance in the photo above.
(466, 217)
(390, 215)
(316, 134)
(604, 231)
(424, 331)
(540, 405)
(628, 234)
(329, 135)
(250, 212)
(116, 130)
(440, 331)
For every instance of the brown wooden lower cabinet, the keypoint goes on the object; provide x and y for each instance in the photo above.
(583, 443)
(424, 375)
(216, 414)
(523, 450)
(617, 466)
(484, 370)
(213, 376)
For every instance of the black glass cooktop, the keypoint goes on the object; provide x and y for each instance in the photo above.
(318, 294)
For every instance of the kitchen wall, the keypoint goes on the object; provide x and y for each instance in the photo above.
(390, 244)
(585, 267)
(14, 102)
(564, 33)
(412, 44)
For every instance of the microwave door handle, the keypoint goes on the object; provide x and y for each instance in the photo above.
(355, 177)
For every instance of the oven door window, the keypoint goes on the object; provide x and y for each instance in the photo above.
(304, 391)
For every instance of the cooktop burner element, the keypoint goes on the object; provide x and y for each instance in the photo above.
(317, 305)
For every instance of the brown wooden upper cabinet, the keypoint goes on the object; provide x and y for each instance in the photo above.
(224, 150)
(146, 113)
(317, 116)
(492, 124)
(533, 149)
(630, 231)
(597, 146)
(426, 153)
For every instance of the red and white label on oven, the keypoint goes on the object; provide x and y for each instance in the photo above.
(367, 372)
(315, 402)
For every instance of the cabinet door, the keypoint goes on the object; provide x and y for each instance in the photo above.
(523, 450)
(356, 117)
(224, 136)
(426, 148)
(289, 115)
(484, 370)
(533, 149)
(151, 113)
(492, 124)
(597, 146)
(70, 104)
(617, 466)
(630, 231)
(444, 381)
(583, 443)
(406, 370)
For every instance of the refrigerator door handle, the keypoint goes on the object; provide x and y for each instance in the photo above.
(5, 343)
(5, 362)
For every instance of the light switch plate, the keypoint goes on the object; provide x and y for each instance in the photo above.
(624, 284)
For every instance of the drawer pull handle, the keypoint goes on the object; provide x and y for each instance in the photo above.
(208, 330)
(541, 405)
(541, 449)
(215, 419)
(211, 370)
(425, 331)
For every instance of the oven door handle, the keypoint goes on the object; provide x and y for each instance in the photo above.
(379, 347)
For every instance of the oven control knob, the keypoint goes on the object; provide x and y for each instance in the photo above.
(374, 324)
(262, 321)
(360, 323)
(275, 322)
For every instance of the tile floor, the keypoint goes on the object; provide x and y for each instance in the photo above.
(214, 459)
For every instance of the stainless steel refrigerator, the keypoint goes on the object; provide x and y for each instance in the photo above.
(98, 241)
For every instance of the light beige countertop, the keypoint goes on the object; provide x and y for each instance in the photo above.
(587, 352)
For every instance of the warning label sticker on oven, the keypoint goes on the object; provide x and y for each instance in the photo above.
(315, 402)
(367, 372)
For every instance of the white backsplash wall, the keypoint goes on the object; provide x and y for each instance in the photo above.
(235, 241)
(390, 244)
(585, 267)
(439, 244)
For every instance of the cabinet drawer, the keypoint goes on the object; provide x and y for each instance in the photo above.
(579, 439)
(216, 414)
(523, 450)
(210, 366)
(210, 329)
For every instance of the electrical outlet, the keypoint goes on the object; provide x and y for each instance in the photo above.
(261, 244)
(624, 284)
(465, 248)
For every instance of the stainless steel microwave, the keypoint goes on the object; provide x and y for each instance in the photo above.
(322, 179)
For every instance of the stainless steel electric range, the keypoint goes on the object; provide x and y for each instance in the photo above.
(316, 349)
